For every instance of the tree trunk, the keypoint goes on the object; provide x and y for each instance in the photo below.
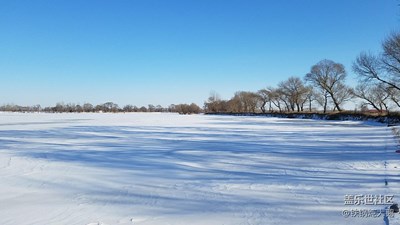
(325, 103)
(336, 104)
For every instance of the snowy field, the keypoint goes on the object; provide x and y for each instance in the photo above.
(167, 169)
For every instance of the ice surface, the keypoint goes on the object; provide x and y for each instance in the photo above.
(153, 169)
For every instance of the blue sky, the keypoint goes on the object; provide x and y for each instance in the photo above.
(174, 51)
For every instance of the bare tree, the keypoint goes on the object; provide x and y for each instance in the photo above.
(143, 109)
(310, 97)
(234, 105)
(264, 97)
(294, 93)
(382, 69)
(344, 93)
(110, 107)
(249, 100)
(275, 98)
(60, 107)
(391, 57)
(159, 108)
(193, 108)
(78, 108)
(282, 98)
(214, 103)
(369, 69)
(128, 108)
(171, 108)
(394, 95)
(285, 97)
(151, 108)
(376, 96)
(322, 98)
(243, 101)
(329, 77)
(87, 107)
(187, 109)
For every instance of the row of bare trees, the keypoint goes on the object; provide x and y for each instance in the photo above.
(324, 87)
(108, 107)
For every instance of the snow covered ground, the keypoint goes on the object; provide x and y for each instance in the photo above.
(153, 169)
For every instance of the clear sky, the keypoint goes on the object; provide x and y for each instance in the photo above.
(175, 51)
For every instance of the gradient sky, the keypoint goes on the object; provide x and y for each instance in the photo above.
(174, 51)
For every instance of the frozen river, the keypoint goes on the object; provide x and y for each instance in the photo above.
(168, 169)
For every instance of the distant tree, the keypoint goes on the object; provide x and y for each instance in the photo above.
(87, 107)
(245, 101)
(70, 107)
(11, 108)
(151, 108)
(159, 108)
(36, 108)
(214, 104)
(60, 107)
(128, 108)
(235, 104)
(110, 107)
(142, 109)
(194, 109)
(187, 109)
(98, 108)
(171, 108)
(78, 108)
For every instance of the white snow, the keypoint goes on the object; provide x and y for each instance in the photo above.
(153, 169)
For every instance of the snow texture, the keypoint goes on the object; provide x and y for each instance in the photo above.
(153, 169)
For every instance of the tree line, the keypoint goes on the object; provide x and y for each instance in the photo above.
(324, 87)
(108, 107)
